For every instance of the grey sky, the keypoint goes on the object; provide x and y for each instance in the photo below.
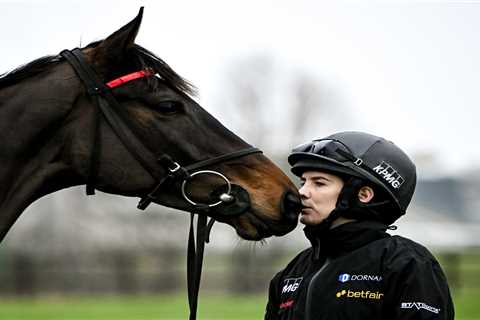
(406, 70)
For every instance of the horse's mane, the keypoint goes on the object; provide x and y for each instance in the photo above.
(142, 57)
(27, 70)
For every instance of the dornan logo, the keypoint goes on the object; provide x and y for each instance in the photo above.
(389, 174)
(345, 277)
(291, 285)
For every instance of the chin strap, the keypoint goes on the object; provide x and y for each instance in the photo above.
(348, 206)
(343, 204)
(347, 199)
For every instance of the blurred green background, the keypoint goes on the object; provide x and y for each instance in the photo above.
(221, 297)
(244, 307)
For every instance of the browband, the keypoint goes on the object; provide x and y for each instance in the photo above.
(129, 77)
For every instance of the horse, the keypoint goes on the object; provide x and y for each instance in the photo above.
(115, 117)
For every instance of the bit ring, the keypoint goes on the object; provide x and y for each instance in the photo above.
(185, 196)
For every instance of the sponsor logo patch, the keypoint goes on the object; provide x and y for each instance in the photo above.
(291, 284)
(345, 277)
(418, 306)
(364, 294)
(286, 304)
(389, 174)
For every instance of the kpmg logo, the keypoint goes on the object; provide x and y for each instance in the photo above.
(291, 284)
(345, 277)
(389, 174)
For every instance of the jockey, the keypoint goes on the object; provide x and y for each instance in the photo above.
(354, 186)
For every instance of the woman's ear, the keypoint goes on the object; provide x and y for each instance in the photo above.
(365, 194)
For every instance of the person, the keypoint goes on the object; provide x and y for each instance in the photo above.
(354, 186)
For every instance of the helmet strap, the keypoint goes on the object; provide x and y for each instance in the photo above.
(344, 203)
(348, 197)
(349, 206)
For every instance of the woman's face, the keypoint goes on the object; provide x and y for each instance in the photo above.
(319, 193)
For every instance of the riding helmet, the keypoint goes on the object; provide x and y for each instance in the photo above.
(362, 155)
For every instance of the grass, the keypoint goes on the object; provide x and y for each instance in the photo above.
(132, 308)
(169, 307)
(467, 304)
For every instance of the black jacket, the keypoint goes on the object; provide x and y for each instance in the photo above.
(358, 271)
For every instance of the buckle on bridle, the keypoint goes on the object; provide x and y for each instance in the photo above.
(176, 168)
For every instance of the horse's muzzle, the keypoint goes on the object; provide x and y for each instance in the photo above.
(290, 207)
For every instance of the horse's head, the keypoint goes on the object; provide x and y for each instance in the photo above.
(165, 120)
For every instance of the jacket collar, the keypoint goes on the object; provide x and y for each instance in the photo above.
(343, 238)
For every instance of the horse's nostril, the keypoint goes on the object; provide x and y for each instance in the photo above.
(291, 205)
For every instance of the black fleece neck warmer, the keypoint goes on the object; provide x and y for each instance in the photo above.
(344, 238)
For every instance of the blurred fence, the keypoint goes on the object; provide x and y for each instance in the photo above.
(115, 272)
(125, 272)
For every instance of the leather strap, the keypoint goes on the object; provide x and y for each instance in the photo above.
(223, 158)
(113, 114)
(168, 163)
(195, 261)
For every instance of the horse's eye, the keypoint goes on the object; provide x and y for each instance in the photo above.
(169, 106)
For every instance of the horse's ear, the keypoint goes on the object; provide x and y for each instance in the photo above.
(113, 47)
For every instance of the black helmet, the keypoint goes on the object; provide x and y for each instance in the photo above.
(360, 155)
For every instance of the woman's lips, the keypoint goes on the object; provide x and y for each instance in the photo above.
(306, 210)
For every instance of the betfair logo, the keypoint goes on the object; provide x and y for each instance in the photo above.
(360, 294)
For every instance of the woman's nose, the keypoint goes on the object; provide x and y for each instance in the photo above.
(304, 192)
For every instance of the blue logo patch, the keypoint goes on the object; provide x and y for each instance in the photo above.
(344, 277)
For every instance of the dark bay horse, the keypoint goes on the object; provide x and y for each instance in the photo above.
(53, 136)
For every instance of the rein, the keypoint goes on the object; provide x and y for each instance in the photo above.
(163, 169)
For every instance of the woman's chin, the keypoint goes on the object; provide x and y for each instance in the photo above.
(309, 219)
(305, 219)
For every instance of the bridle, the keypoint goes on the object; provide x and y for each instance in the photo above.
(163, 168)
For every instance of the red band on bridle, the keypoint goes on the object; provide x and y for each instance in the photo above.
(129, 77)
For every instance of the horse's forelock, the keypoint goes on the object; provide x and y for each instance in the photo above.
(146, 59)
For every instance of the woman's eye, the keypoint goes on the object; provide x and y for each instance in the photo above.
(169, 106)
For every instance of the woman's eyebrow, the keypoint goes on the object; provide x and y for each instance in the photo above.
(319, 178)
(315, 178)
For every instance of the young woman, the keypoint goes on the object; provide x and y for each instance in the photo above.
(354, 186)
